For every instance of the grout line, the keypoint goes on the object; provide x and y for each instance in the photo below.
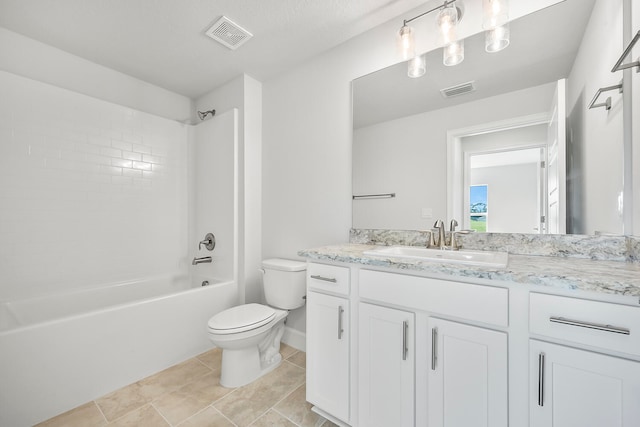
(160, 413)
(285, 417)
(100, 410)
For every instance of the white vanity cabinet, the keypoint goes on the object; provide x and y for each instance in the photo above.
(328, 340)
(386, 368)
(468, 376)
(459, 370)
(583, 387)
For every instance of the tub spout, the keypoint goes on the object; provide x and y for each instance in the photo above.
(201, 260)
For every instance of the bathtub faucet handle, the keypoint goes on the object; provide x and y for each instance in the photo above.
(209, 242)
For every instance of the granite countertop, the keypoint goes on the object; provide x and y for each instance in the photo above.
(611, 277)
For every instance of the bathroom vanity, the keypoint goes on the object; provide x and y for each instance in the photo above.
(404, 342)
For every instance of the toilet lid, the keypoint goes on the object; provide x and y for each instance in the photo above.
(241, 318)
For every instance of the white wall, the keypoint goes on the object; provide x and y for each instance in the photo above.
(595, 136)
(213, 157)
(245, 94)
(91, 192)
(408, 156)
(30, 58)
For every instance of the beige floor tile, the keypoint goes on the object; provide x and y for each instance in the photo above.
(328, 423)
(175, 376)
(286, 350)
(147, 416)
(209, 417)
(180, 404)
(116, 404)
(247, 403)
(272, 419)
(296, 408)
(87, 415)
(212, 358)
(299, 358)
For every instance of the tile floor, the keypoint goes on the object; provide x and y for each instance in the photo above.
(189, 395)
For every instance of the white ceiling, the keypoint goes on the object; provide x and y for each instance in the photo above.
(163, 42)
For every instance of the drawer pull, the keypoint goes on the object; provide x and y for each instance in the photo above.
(324, 279)
(340, 328)
(598, 326)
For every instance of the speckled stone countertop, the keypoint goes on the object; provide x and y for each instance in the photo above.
(604, 276)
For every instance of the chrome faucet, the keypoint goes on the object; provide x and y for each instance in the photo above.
(201, 260)
(441, 242)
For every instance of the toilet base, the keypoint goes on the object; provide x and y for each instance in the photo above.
(245, 365)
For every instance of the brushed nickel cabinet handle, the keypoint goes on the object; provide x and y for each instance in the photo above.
(324, 279)
(434, 354)
(405, 349)
(541, 379)
(340, 328)
(589, 325)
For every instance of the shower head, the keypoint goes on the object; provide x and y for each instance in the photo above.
(203, 114)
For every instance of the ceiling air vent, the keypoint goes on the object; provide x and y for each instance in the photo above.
(456, 90)
(229, 33)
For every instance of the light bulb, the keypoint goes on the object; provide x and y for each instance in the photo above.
(417, 66)
(453, 54)
(495, 13)
(497, 38)
(447, 21)
(406, 43)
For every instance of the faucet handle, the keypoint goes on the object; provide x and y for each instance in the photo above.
(209, 242)
(453, 225)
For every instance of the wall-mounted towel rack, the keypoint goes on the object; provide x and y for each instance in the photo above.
(619, 66)
(607, 103)
(374, 196)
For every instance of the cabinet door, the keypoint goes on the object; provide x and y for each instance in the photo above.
(386, 366)
(579, 388)
(467, 377)
(328, 336)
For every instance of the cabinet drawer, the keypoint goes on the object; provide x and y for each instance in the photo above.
(479, 303)
(329, 278)
(610, 326)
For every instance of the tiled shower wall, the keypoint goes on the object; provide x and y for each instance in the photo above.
(90, 192)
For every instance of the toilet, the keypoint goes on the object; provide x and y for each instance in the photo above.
(249, 334)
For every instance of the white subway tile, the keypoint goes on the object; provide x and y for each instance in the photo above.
(129, 155)
(121, 163)
(142, 166)
(122, 145)
(139, 148)
(111, 152)
(111, 170)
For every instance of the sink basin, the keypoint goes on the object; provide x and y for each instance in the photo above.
(479, 258)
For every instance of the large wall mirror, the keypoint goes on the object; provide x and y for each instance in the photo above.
(490, 157)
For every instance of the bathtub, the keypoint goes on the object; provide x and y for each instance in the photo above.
(62, 350)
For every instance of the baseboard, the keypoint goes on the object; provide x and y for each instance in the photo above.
(295, 338)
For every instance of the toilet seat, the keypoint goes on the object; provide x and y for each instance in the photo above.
(241, 318)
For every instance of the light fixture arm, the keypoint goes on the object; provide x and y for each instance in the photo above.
(446, 3)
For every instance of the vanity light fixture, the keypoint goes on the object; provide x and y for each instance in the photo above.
(448, 17)
(496, 23)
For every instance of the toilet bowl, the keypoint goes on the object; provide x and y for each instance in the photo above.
(250, 334)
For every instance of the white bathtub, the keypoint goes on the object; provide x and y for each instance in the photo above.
(60, 351)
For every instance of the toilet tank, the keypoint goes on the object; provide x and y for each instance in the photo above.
(284, 283)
